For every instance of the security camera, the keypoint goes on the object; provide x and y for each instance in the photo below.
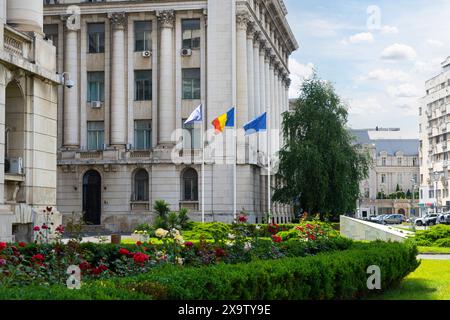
(70, 84)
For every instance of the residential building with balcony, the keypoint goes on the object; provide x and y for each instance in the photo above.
(28, 120)
(139, 68)
(395, 166)
(434, 113)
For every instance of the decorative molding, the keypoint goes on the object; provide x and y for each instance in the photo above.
(118, 20)
(242, 20)
(251, 29)
(166, 18)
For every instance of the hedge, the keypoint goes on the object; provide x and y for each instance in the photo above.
(335, 275)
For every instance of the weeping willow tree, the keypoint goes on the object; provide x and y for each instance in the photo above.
(320, 165)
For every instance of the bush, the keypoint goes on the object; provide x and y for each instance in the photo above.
(336, 275)
(430, 237)
(213, 230)
(445, 242)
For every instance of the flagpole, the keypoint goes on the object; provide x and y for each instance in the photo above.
(235, 167)
(269, 200)
(203, 166)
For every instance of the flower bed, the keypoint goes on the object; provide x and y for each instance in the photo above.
(332, 275)
(47, 263)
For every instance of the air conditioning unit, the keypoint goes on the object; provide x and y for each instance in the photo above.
(96, 104)
(186, 52)
(15, 165)
(146, 54)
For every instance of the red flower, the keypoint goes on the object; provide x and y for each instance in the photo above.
(102, 267)
(38, 257)
(276, 239)
(242, 218)
(312, 237)
(44, 227)
(138, 243)
(220, 252)
(22, 244)
(36, 228)
(299, 228)
(2, 245)
(49, 209)
(84, 265)
(273, 228)
(188, 244)
(309, 226)
(140, 257)
(60, 229)
(124, 252)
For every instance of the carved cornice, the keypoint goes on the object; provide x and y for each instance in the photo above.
(166, 18)
(118, 20)
(251, 29)
(242, 20)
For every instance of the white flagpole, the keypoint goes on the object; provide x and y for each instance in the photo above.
(235, 167)
(203, 165)
(269, 200)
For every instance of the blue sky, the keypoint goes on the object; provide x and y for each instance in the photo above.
(378, 61)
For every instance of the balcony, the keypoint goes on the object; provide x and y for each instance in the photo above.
(17, 43)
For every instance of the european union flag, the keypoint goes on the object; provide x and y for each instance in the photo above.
(256, 125)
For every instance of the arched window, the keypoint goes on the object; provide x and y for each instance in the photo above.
(141, 185)
(189, 185)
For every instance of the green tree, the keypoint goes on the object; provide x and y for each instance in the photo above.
(319, 163)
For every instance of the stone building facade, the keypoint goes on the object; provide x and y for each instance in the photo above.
(434, 113)
(138, 69)
(28, 120)
(395, 164)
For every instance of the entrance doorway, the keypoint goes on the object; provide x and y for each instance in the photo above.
(92, 195)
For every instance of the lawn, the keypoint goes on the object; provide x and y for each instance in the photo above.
(431, 281)
(434, 250)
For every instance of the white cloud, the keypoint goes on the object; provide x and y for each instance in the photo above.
(364, 37)
(388, 75)
(430, 66)
(435, 43)
(389, 30)
(299, 73)
(399, 52)
(364, 106)
(406, 90)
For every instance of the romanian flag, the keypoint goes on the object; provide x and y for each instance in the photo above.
(225, 120)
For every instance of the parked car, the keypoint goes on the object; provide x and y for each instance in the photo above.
(443, 218)
(378, 219)
(394, 219)
(428, 220)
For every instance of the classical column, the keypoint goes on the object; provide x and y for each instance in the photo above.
(118, 102)
(71, 104)
(250, 70)
(262, 78)
(242, 19)
(256, 76)
(166, 84)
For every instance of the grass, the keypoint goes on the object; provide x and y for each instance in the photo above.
(433, 250)
(431, 281)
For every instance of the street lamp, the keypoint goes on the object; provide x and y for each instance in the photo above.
(436, 179)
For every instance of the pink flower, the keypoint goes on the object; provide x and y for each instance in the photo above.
(2, 262)
(44, 227)
(36, 228)
(60, 229)
(242, 218)
(188, 244)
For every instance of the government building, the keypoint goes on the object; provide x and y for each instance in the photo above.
(392, 186)
(28, 120)
(133, 73)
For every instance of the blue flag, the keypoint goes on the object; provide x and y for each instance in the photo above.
(256, 125)
(196, 115)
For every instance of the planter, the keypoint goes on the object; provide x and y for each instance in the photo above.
(116, 238)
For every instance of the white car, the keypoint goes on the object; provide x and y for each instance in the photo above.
(428, 220)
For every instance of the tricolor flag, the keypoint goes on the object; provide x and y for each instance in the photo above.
(225, 120)
(196, 115)
(256, 125)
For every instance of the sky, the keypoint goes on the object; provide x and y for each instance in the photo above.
(378, 54)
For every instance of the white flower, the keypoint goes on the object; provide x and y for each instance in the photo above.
(229, 243)
(179, 260)
(161, 233)
(231, 236)
(247, 246)
(179, 239)
(174, 232)
(258, 227)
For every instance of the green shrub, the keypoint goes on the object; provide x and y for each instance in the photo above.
(213, 230)
(445, 242)
(430, 237)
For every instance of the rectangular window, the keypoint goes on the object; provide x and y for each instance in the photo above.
(191, 33)
(366, 193)
(96, 86)
(142, 134)
(383, 162)
(191, 83)
(51, 32)
(399, 161)
(96, 37)
(142, 36)
(383, 178)
(95, 135)
(143, 85)
(191, 136)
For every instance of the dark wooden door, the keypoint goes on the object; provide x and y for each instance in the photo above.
(92, 197)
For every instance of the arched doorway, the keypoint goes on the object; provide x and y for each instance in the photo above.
(401, 211)
(92, 195)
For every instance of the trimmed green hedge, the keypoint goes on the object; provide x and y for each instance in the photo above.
(436, 236)
(336, 275)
